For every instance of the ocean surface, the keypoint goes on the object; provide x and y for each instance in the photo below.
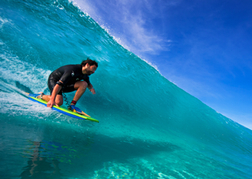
(149, 127)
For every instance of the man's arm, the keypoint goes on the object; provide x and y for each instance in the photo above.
(55, 91)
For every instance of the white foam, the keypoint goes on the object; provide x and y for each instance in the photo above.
(3, 21)
(151, 64)
(12, 69)
(16, 105)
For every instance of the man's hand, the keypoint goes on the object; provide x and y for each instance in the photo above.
(92, 91)
(50, 103)
(55, 91)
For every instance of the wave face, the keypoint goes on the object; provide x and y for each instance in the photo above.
(149, 128)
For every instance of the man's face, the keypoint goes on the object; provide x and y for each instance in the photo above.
(90, 69)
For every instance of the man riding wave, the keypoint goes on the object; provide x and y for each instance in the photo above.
(67, 79)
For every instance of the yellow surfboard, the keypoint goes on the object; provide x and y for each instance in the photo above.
(63, 110)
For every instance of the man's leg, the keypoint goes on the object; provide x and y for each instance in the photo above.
(58, 100)
(81, 87)
(44, 97)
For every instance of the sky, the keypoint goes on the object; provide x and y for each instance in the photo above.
(204, 47)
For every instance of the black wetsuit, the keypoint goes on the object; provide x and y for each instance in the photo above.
(68, 75)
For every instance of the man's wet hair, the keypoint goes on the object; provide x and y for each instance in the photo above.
(90, 62)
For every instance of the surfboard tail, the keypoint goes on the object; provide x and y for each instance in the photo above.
(82, 113)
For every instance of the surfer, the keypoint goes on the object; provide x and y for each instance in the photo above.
(67, 79)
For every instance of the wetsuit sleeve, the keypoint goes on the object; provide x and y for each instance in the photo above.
(65, 77)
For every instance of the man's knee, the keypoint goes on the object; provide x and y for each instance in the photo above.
(59, 103)
(59, 100)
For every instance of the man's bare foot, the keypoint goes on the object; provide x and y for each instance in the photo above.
(40, 96)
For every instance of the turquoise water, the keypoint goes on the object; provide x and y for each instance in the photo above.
(149, 128)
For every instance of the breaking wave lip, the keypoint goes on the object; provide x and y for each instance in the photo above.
(117, 39)
(151, 64)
